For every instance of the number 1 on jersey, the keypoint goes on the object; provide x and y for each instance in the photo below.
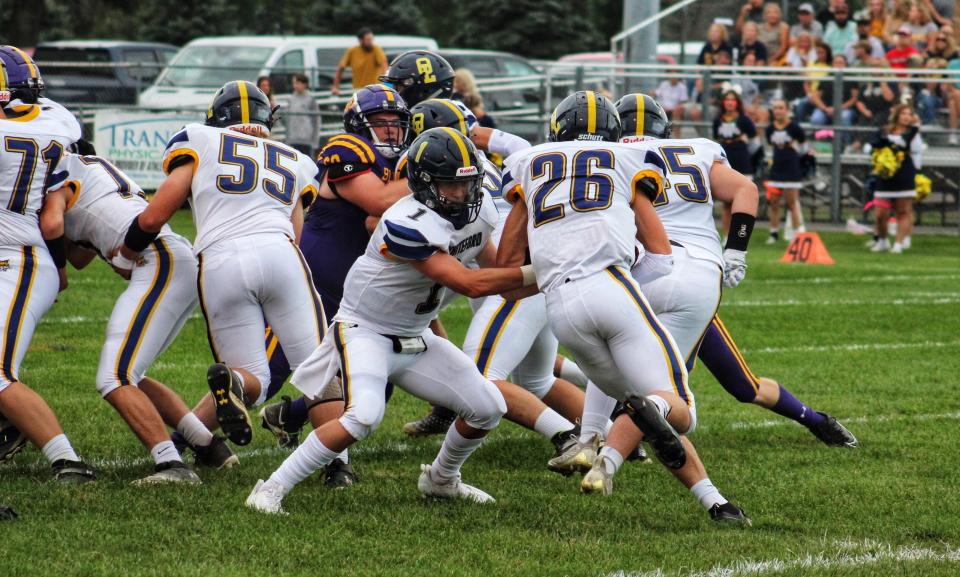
(30, 150)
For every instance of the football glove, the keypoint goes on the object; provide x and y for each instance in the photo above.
(651, 267)
(734, 267)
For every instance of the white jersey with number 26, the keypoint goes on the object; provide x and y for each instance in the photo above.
(579, 198)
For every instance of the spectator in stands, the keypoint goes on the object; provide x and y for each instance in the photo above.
(474, 102)
(751, 11)
(366, 62)
(806, 23)
(877, 99)
(263, 83)
(750, 43)
(895, 19)
(828, 14)
(304, 126)
(716, 41)
(874, 47)
(816, 68)
(672, 95)
(694, 109)
(786, 174)
(802, 53)
(943, 46)
(922, 29)
(875, 15)
(737, 134)
(774, 33)
(464, 84)
(751, 92)
(821, 98)
(941, 11)
(903, 48)
(840, 31)
(897, 183)
(939, 94)
(954, 139)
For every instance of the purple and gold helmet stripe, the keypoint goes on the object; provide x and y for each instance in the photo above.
(244, 102)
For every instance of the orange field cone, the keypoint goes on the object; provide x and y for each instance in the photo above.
(807, 248)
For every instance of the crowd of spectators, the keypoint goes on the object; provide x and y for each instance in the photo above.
(892, 34)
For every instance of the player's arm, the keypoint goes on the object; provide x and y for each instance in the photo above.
(371, 194)
(657, 259)
(473, 283)
(78, 256)
(513, 242)
(497, 141)
(728, 185)
(297, 220)
(171, 195)
(51, 226)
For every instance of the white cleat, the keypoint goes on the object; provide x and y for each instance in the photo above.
(897, 248)
(881, 245)
(266, 497)
(453, 489)
(597, 480)
(170, 472)
(576, 458)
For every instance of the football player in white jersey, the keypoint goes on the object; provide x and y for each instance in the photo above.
(580, 205)
(511, 337)
(245, 193)
(34, 133)
(94, 210)
(381, 331)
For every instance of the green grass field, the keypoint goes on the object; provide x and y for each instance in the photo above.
(874, 340)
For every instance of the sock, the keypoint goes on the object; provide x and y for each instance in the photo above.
(164, 452)
(550, 422)
(298, 414)
(707, 494)
(876, 238)
(309, 457)
(774, 233)
(661, 404)
(791, 408)
(597, 407)
(612, 460)
(344, 456)
(194, 431)
(454, 451)
(58, 448)
(570, 371)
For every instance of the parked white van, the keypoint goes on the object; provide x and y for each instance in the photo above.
(206, 64)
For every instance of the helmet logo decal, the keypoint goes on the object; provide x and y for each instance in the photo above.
(425, 67)
(467, 171)
(418, 122)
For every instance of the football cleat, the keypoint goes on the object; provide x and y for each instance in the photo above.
(216, 455)
(452, 489)
(12, 440)
(274, 419)
(338, 475)
(231, 404)
(170, 472)
(267, 497)
(7, 513)
(573, 456)
(639, 454)
(436, 422)
(833, 434)
(72, 472)
(597, 480)
(665, 441)
(729, 514)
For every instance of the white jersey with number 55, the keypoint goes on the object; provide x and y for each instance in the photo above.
(242, 185)
(685, 205)
(579, 198)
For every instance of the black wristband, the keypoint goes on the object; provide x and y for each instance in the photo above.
(58, 250)
(138, 239)
(741, 227)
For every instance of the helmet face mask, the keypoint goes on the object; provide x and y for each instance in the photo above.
(445, 174)
(586, 116)
(419, 75)
(21, 77)
(240, 104)
(376, 107)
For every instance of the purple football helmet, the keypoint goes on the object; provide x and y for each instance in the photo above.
(19, 78)
(367, 102)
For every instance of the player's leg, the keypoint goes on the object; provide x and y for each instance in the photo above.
(882, 214)
(903, 207)
(774, 198)
(28, 289)
(723, 359)
(793, 205)
(439, 419)
(365, 360)
(444, 375)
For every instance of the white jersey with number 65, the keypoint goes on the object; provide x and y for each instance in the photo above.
(242, 185)
(579, 198)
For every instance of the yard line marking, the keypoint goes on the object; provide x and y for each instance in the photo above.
(854, 347)
(80, 319)
(854, 279)
(906, 301)
(841, 554)
(740, 425)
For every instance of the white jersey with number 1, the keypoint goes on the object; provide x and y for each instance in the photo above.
(579, 198)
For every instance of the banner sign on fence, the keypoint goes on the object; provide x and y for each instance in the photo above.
(135, 141)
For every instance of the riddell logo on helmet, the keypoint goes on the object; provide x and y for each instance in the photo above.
(5, 96)
(589, 137)
(629, 139)
(467, 171)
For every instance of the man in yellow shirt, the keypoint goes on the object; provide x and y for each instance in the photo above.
(366, 61)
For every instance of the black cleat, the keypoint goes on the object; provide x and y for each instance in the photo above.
(639, 454)
(231, 404)
(436, 422)
(665, 441)
(338, 475)
(12, 440)
(729, 514)
(564, 440)
(274, 418)
(216, 455)
(833, 434)
(73, 472)
(7, 514)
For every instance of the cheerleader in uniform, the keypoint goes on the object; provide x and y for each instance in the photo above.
(737, 134)
(897, 151)
(786, 174)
